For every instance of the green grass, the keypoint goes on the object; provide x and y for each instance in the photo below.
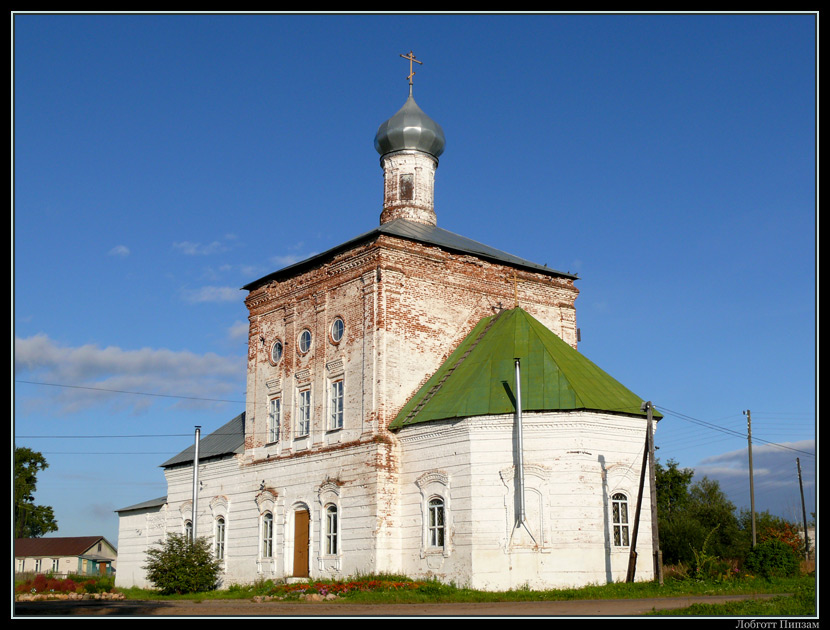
(799, 597)
(802, 603)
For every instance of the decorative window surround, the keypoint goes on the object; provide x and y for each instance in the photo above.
(435, 486)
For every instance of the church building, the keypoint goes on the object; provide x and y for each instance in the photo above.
(416, 404)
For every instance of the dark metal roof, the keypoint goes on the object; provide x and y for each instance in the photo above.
(421, 233)
(226, 440)
(152, 503)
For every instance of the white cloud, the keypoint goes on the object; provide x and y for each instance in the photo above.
(119, 250)
(198, 249)
(89, 375)
(212, 294)
(774, 476)
(239, 332)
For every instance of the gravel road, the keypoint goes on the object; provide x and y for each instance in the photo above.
(247, 608)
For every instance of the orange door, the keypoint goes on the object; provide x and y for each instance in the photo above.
(301, 523)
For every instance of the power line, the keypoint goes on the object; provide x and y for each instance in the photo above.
(118, 391)
(731, 432)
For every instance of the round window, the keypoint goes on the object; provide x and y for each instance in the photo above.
(305, 341)
(276, 352)
(337, 329)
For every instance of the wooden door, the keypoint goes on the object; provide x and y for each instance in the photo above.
(301, 523)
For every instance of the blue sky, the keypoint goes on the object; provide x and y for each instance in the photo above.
(161, 162)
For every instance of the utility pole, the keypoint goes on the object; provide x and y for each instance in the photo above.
(803, 512)
(648, 461)
(751, 480)
(652, 480)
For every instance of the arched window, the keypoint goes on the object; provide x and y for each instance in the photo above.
(619, 519)
(220, 538)
(435, 522)
(331, 530)
(188, 530)
(267, 535)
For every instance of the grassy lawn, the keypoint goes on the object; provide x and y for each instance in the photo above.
(799, 597)
(798, 594)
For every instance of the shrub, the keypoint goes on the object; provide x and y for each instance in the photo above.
(180, 566)
(772, 558)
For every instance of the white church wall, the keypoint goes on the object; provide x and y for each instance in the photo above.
(240, 492)
(569, 478)
(137, 530)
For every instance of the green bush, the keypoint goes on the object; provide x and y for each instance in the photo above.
(180, 566)
(772, 558)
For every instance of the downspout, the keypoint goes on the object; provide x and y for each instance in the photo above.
(521, 520)
(195, 485)
(519, 438)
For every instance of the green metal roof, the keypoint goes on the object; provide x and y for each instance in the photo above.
(479, 376)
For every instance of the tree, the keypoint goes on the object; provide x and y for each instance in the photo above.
(30, 520)
(690, 516)
(180, 565)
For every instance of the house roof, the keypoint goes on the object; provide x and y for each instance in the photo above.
(67, 546)
(226, 440)
(421, 233)
(478, 378)
(152, 503)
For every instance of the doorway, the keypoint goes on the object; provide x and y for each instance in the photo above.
(302, 519)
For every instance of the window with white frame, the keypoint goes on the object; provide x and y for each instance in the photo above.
(274, 411)
(55, 564)
(188, 530)
(337, 329)
(619, 519)
(304, 341)
(276, 352)
(435, 522)
(304, 412)
(267, 535)
(331, 530)
(38, 565)
(336, 405)
(220, 538)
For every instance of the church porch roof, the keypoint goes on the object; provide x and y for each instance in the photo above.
(478, 378)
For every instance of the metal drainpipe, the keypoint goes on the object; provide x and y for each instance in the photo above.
(520, 460)
(195, 484)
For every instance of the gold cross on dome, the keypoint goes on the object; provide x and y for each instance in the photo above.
(411, 58)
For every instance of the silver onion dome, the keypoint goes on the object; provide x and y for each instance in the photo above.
(410, 129)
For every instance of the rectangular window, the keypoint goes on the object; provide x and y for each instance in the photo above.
(331, 530)
(55, 564)
(220, 538)
(407, 186)
(435, 529)
(304, 413)
(619, 519)
(274, 408)
(267, 535)
(336, 405)
(38, 565)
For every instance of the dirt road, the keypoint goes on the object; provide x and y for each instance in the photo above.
(247, 608)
